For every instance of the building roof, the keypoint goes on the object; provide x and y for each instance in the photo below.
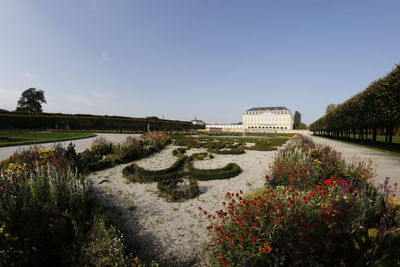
(267, 108)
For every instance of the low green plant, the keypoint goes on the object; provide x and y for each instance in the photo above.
(232, 151)
(178, 189)
(104, 245)
(201, 156)
(304, 219)
(229, 171)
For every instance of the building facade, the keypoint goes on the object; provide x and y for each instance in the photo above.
(267, 119)
(225, 127)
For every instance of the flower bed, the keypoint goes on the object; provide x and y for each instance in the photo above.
(46, 213)
(311, 219)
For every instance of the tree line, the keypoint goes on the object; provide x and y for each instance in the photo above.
(372, 111)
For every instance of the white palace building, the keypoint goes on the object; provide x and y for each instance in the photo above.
(261, 119)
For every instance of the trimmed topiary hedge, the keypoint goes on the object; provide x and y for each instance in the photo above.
(229, 171)
(180, 150)
(13, 120)
(233, 151)
(177, 189)
(143, 175)
(201, 156)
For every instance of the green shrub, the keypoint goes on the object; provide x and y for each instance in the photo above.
(177, 165)
(179, 151)
(178, 189)
(101, 146)
(201, 156)
(104, 245)
(229, 171)
(233, 151)
(303, 219)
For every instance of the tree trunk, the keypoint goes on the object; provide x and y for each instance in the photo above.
(386, 135)
(374, 135)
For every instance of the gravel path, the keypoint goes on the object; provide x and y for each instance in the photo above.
(173, 233)
(385, 164)
(80, 144)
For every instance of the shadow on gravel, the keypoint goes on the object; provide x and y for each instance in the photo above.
(145, 246)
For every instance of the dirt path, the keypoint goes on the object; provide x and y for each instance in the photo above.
(383, 163)
(173, 233)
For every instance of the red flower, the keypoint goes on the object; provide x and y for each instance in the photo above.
(292, 176)
(254, 239)
(313, 193)
(328, 181)
(233, 245)
(319, 187)
(230, 236)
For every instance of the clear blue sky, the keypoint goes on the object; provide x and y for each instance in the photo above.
(183, 58)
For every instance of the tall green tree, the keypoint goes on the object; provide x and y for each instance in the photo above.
(31, 101)
(297, 120)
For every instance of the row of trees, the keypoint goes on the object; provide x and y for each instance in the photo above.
(376, 109)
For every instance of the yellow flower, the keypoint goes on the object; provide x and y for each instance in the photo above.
(266, 248)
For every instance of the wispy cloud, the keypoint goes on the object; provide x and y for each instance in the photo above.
(28, 75)
(9, 98)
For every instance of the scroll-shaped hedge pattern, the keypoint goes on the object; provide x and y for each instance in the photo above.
(229, 171)
(143, 175)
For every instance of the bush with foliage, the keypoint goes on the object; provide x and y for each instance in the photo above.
(138, 147)
(179, 151)
(233, 151)
(101, 146)
(202, 156)
(46, 215)
(326, 221)
(178, 189)
(137, 173)
(229, 171)
(42, 214)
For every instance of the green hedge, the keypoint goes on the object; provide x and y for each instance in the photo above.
(229, 171)
(52, 121)
(233, 151)
(201, 156)
(143, 175)
(178, 164)
(170, 189)
(180, 150)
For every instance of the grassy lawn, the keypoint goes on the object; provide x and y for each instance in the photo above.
(393, 149)
(380, 138)
(14, 138)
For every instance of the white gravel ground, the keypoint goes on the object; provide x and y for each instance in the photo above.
(173, 233)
